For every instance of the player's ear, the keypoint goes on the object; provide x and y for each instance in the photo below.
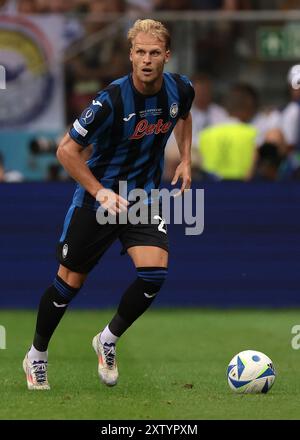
(130, 54)
(167, 56)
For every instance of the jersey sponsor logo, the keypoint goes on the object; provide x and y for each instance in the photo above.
(129, 117)
(174, 110)
(149, 296)
(79, 128)
(59, 305)
(97, 103)
(87, 116)
(65, 250)
(143, 128)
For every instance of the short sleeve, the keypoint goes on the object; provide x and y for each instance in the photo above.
(93, 121)
(188, 93)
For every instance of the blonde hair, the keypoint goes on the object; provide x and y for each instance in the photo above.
(149, 26)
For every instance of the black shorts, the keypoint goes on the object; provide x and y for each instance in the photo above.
(84, 240)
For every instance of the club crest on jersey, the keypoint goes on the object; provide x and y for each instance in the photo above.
(87, 116)
(174, 110)
(143, 128)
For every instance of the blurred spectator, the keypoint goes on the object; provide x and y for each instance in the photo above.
(268, 162)
(43, 145)
(290, 127)
(54, 173)
(55, 6)
(226, 5)
(235, 5)
(8, 6)
(290, 4)
(243, 100)
(265, 120)
(9, 176)
(100, 7)
(290, 119)
(171, 4)
(271, 157)
(268, 5)
(206, 5)
(205, 113)
(228, 150)
(40, 147)
(65, 6)
(27, 7)
(45, 6)
(140, 6)
(276, 137)
(98, 65)
(92, 71)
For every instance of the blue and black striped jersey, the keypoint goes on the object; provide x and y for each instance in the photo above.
(128, 132)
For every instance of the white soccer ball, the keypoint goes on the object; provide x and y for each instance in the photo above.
(250, 372)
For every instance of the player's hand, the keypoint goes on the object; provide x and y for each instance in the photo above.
(111, 201)
(183, 171)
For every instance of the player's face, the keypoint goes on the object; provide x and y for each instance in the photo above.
(148, 56)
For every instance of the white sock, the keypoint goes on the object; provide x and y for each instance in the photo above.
(107, 337)
(35, 355)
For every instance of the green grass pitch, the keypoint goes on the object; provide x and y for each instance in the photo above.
(172, 365)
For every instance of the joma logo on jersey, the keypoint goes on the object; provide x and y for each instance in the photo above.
(143, 128)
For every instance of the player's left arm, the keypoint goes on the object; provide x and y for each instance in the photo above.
(183, 136)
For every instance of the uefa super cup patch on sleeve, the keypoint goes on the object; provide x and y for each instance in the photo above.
(79, 128)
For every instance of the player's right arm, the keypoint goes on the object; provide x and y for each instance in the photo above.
(69, 154)
(86, 130)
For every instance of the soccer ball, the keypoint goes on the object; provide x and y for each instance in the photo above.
(250, 372)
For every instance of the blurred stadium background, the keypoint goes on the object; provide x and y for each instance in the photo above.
(57, 55)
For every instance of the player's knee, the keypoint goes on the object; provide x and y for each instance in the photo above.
(64, 292)
(152, 277)
(71, 278)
